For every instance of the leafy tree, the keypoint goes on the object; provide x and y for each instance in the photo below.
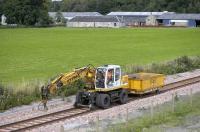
(1, 7)
(105, 6)
(60, 18)
(55, 6)
(26, 12)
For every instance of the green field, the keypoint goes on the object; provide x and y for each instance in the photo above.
(39, 53)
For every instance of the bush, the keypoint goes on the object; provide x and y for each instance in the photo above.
(10, 97)
(71, 89)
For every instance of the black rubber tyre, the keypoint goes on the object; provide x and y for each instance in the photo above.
(97, 100)
(103, 101)
(78, 99)
(157, 91)
(123, 97)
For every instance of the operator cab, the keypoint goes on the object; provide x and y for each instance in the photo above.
(108, 76)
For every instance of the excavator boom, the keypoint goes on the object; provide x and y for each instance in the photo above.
(86, 73)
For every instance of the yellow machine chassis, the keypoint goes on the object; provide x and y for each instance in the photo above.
(108, 89)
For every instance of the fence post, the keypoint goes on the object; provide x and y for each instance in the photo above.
(127, 117)
(191, 97)
(97, 123)
(151, 109)
(173, 103)
(62, 129)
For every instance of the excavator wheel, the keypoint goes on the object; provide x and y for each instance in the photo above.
(123, 97)
(78, 100)
(103, 100)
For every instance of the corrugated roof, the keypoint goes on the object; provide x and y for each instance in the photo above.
(130, 19)
(94, 19)
(74, 14)
(137, 13)
(180, 16)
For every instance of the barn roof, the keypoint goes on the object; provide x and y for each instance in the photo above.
(94, 19)
(181, 16)
(128, 19)
(74, 14)
(137, 13)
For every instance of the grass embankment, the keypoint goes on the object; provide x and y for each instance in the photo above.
(166, 116)
(25, 93)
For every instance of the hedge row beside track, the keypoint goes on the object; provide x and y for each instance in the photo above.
(181, 64)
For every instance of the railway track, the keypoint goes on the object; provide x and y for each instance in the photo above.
(42, 120)
(181, 83)
(74, 112)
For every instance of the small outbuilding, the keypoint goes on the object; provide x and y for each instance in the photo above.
(182, 20)
(3, 20)
(95, 21)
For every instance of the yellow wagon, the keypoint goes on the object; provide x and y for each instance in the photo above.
(141, 83)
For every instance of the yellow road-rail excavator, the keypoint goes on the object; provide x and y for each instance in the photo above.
(105, 85)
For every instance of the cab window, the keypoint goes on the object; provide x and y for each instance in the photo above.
(110, 77)
(100, 77)
(117, 74)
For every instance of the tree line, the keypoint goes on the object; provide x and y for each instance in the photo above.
(106, 6)
(35, 12)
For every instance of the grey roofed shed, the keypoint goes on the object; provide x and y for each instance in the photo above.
(133, 19)
(137, 13)
(95, 19)
(70, 15)
(181, 16)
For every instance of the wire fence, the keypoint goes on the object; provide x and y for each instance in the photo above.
(125, 118)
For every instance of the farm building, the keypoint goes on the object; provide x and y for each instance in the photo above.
(95, 21)
(70, 15)
(185, 20)
(139, 18)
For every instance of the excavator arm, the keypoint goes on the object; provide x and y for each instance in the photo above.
(86, 73)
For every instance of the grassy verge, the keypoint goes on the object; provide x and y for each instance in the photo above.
(165, 116)
(26, 92)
